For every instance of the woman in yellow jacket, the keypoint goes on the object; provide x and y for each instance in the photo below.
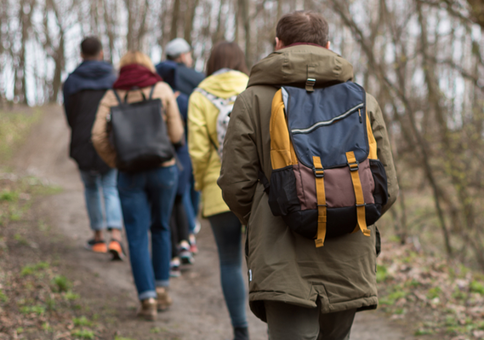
(226, 78)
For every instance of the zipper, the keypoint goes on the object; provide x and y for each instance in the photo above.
(331, 121)
(359, 114)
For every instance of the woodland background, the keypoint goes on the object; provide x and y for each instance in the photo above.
(422, 59)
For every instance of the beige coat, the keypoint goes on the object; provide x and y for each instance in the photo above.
(172, 117)
(284, 266)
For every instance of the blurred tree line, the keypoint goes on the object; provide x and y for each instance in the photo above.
(422, 59)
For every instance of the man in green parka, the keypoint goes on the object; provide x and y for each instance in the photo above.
(301, 291)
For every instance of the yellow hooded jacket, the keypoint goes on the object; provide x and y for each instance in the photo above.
(202, 133)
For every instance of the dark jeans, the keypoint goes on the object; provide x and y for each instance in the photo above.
(289, 322)
(179, 225)
(227, 231)
(147, 201)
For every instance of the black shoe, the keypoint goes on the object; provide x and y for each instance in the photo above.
(241, 333)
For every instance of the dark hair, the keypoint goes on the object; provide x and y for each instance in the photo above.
(226, 54)
(303, 27)
(91, 46)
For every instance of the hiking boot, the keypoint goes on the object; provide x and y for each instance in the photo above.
(241, 333)
(148, 309)
(163, 299)
(117, 251)
(96, 246)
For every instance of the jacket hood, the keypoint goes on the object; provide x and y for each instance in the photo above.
(166, 69)
(89, 75)
(225, 84)
(293, 65)
(93, 69)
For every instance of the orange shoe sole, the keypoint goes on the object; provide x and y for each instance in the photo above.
(116, 250)
(99, 248)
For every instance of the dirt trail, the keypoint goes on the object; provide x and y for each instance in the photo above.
(198, 311)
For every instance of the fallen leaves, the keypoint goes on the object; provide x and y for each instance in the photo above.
(442, 297)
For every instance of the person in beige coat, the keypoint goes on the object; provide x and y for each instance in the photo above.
(301, 291)
(147, 196)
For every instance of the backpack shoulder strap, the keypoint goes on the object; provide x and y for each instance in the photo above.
(117, 97)
(151, 92)
(219, 103)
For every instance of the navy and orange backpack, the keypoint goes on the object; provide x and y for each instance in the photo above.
(326, 178)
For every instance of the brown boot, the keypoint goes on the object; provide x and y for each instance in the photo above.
(148, 309)
(163, 299)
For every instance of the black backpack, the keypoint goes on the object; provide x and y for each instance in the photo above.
(139, 134)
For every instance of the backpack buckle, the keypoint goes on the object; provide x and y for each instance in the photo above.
(318, 173)
(354, 166)
(310, 82)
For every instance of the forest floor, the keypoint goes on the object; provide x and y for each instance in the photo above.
(51, 288)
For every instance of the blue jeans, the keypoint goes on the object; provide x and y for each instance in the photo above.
(227, 231)
(187, 204)
(101, 217)
(147, 200)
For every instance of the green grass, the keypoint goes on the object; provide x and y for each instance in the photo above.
(3, 297)
(82, 321)
(32, 269)
(477, 287)
(433, 293)
(39, 310)
(61, 284)
(83, 334)
(14, 127)
(70, 296)
(381, 273)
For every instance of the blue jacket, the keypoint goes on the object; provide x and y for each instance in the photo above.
(180, 77)
(168, 71)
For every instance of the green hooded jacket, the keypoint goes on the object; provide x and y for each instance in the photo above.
(284, 266)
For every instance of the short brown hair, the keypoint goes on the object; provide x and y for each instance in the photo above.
(137, 57)
(91, 46)
(302, 27)
(226, 54)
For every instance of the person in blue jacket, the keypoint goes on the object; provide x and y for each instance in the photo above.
(177, 71)
(83, 90)
(183, 218)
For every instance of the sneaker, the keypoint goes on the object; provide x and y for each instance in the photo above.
(193, 244)
(148, 309)
(194, 249)
(116, 249)
(96, 246)
(175, 271)
(198, 226)
(163, 300)
(186, 256)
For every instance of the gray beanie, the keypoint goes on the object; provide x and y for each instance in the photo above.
(176, 47)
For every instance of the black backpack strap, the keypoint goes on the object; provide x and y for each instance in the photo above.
(151, 92)
(265, 182)
(133, 89)
(117, 97)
